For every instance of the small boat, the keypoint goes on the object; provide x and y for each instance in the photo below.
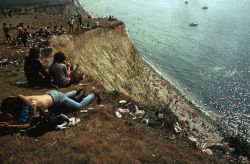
(204, 7)
(186, 2)
(193, 24)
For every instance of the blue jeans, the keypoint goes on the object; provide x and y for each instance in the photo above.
(66, 100)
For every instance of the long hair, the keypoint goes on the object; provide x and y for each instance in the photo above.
(34, 53)
(59, 57)
(12, 105)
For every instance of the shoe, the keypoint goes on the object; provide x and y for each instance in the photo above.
(53, 86)
(98, 97)
(80, 94)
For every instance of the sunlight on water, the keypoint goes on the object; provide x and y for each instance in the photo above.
(208, 63)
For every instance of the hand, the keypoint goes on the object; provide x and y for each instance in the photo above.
(68, 65)
(33, 104)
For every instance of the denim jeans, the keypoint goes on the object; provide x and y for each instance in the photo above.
(66, 100)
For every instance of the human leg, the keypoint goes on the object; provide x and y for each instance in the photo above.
(68, 102)
(70, 94)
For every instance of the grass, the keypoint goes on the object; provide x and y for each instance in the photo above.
(26, 3)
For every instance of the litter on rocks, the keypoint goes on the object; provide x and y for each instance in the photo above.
(194, 141)
(207, 151)
(177, 127)
(129, 108)
(70, 122)
(206, 145)
(83, 111)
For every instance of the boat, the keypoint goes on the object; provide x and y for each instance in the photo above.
(193, 24)
(204, 7)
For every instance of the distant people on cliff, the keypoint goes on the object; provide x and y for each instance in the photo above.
(24, 37)
(71, 24)
(34, 70)
(61, 72)
(58, 31)
(80, 19)
(62, 30)
(47, 32)
(111, 18)
(19, 31)
(6, 32)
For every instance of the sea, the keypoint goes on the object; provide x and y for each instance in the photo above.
(209, 63)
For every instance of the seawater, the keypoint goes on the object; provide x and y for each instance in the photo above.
(209, 63)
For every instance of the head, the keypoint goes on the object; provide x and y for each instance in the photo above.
(12, 106)
(59, 57)
(4, 24)
(34, 52)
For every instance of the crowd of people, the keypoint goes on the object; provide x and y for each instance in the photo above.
(23, 33)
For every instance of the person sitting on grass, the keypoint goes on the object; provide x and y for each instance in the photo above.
(34, 70)
(22, 109)
(61, 73)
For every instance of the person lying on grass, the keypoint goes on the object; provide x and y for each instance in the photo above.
(21, 109)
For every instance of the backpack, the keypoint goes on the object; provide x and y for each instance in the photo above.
(47, 122)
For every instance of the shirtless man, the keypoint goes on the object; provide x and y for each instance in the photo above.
(31, 105)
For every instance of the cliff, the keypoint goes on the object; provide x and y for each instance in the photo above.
(109, 56)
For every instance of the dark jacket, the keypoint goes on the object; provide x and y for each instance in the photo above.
(35, 72)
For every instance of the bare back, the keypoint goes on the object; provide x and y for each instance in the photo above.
(41, 102)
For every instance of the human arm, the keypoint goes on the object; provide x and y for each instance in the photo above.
(42, 69)
(68, 71)
(7, 125)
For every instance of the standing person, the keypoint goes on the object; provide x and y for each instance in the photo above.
(24, 36)
(71, 24)
(6, 32)
(34, 70)
(19, 31)
(61, 73)
(80, 19)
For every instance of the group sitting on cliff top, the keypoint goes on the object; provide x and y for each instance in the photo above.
(59, 74)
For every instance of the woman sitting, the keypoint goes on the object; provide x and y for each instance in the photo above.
(61, 73)
(21, 110)
(34, 70)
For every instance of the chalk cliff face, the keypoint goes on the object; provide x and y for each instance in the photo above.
(108, 55)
